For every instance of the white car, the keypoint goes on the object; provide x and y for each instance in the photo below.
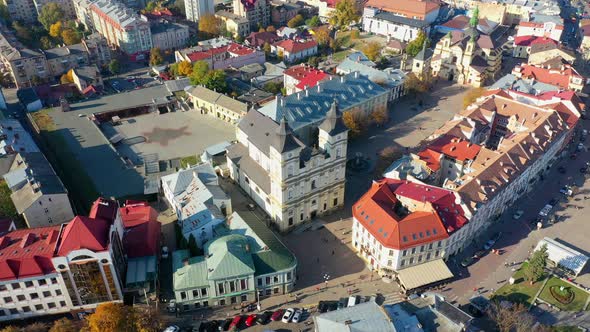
(172, 328)
(171, 306)
(296, 316)
(287, 315)
(164, 252)
(517, 214)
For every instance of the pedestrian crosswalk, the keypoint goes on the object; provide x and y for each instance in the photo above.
(393, 298)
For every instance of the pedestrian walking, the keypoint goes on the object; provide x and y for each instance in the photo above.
(332, 252)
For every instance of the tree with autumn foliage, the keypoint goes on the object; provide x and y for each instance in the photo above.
(209, 25)
(70, 36)
(345, 13)
(156, 57)
(380, 116)
(115, 317)
(67, 77)
(185, 68)
(372, 50)
(356, 121)
(65, 325)
(514, 317)
(322, 36)
(472, 95)
(55, 30)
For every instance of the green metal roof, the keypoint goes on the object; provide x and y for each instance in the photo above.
(277, 257)
(229, 256)
(190, 276)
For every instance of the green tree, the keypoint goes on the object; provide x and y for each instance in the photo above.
(156, 57)
(273, 87)
(4, 14)
(178, 8)
(50, 14)
(70, 36)
(344, 14)
(174, 69)
(415, 46)
(200, 70)
(372, 50)
(313, 61)
(313, 22)
(239, 39)
(115, 66)
(151, 5)
(46, 43)
(535, 269)
(295, 21)
(215, 80)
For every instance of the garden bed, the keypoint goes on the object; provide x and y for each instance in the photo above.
(578, 295)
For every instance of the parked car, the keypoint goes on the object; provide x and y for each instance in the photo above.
(546, 210)
(210, 326)
(251, 320)
(264, 317)
(517, 214)
(325, 306)
(287, 315)
(489, 244)
(172, 328)
(566, 190)
(171, 307)
(296, 316)
(580, 147)
(277, 315)
(479, 254)
(467, 261)
(342, 303)
(235, 322)
(226, 323)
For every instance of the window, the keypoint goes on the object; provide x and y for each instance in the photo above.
(26, 309)
(232, 286)
(267, 280)
(244, 298)
(301, 217)
(51, 305)
(221, 302)
(430, 246)
(421, 248)
(220, 288)
(440, 244)
(38, 307)
(290, 221)
(275, 290)
(259, 282)
(335, 201)
(413, 251)
(20, 297)
(57, 292)
(183, 295)
(337, 152)
(389, 262)
(8, 299)
(412, 260)
(185, 307)
(205, 303)
(54, 280)
(288, 275)
(404, 253)
(243, 284)
(436, 253)
(428, 256)
(197, 305)
(313, 186)
(13, 311)
(233, 300)
(195, 293)
(247, 180)
(390, 252)
(47, 294)
(34, 296)
(203, 291)
(2, 313)
(403, 262)
(16, 285)
(420, 258)
(2, 288)
(62, 303)
(290, 195)
(42, 282)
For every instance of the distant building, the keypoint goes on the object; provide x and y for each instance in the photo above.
(24, 10)
(257, 12)
(393, 26)
(258, 39)
(462, 23)
(269, 155)
(198, 200)
(243, 262)
(87, 77)
(169, 35)
(423, 10)
(512, 12)
(546, 26)
(523, 45)
(565, 76)
(282, 12)
(29, 99)
(98, 49)
(549, 53)
(585, 33)
(363, 317)
(232, 55)
(195, 9)
(217, 104)
(37, 192)
(292, 51)
(248, 72)
(122, 27)
(234, 24)
(14, 138)
(272, 73)
(301, 77)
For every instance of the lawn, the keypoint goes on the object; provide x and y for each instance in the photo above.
(81, 189)
(580, 296)
(190, 160)
(565, 329)
(341, 55)
(522, 291)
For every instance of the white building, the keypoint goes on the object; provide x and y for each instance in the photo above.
(292, 51)
(169, 35)
(195, 9)
(292, 182)
(542, 26)
(198, 200)
(76, 266)
(393, 26)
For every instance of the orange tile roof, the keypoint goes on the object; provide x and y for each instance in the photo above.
(455, 148)
(409, 7)
(439, 215)
(554, 76)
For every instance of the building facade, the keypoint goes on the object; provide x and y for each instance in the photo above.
(217, 104)
(301, 77)
(543, 26)
(195, 9)
(392, 26)
(291, 50)
(168, 35)
(288, 179)
(257, 12)
(235, 24)
(122, 27)
(423, 10)
(222, 57)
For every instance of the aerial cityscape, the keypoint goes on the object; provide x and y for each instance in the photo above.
(294, 165)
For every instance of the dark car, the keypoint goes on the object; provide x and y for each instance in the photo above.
(467, 261)
(226, 323)
(277, 315)
(325, 306)
(479, 254)
(264, 317)
(553, 201)
(342, 303)
(210, 326)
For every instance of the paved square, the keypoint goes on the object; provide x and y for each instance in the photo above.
(170, 135)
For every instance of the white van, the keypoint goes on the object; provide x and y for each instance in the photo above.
(351, 301)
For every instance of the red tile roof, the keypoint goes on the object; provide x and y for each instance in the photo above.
(296, 46)
(439, 214)
(233, 49)
(27, 252)
(84, 233)
(432, 159)
(306, 75)
(136, 213)
(538, 25)
(533, 40)
(143, 239)
(258, 39)
(559, 77)
(455, 148)
(415, 7)
(104, 209)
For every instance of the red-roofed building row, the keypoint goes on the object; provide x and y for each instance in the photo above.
(523, 45)
(231, 55)
(300, 77)
(565, 76)
(294, 50)
(76, 265)
(398, 224)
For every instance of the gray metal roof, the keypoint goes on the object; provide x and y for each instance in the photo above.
(123, 100)
(363, 317)
(310, 106)
(389, 77)
(509, 81)
(238, 154)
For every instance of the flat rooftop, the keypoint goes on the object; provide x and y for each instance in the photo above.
(130, 99)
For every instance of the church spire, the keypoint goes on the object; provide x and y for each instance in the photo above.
(474, 21)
